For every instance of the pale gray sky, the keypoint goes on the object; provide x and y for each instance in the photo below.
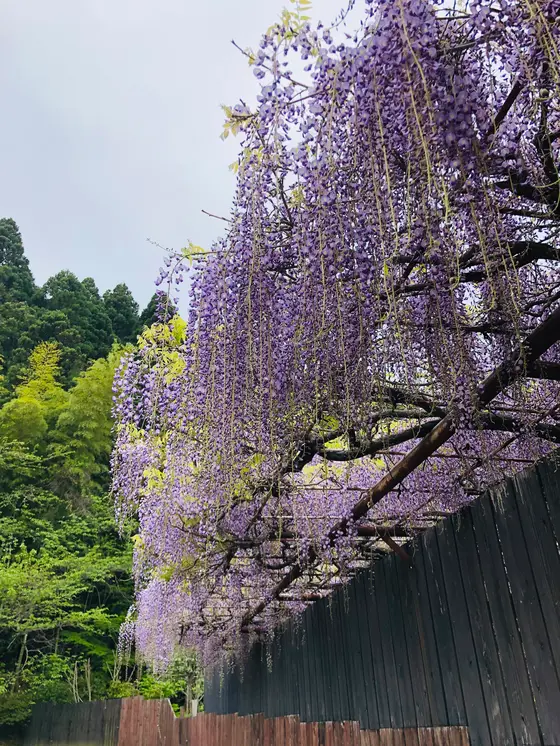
(110, 126)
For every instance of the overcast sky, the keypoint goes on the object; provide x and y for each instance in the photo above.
(110, 126)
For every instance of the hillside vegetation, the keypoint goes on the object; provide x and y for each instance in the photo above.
(65, 573)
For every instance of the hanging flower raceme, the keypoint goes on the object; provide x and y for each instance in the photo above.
(394, 238)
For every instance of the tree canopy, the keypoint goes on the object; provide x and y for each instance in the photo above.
(65, 310)
(65, 571)
(374, 341)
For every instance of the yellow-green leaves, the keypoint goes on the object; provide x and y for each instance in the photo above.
(234, 122)
(191, 252)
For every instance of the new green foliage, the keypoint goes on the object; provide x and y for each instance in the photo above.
(65, 573)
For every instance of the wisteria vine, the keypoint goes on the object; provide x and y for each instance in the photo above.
(394, 238)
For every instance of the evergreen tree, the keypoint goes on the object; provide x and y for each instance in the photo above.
(122, 309)
(149, 315)
(16, 280)
(85, 311)
(152, 313)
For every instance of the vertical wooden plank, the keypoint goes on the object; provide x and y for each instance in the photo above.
(464, 644)
(325, 694)
(354, 733)
(516, 681)
(214, 729)
(377, 641)
(334, 684)
(149, 724)
(268, 732)
(386, 737)
(410, 737)
(340, 669)
(440, 737)
(529, 614)
(338, 734)
(315, 668)
(346, 734)
(353, 641)
(446, 652)
(329, 733)
(134, 729)
(426, 737)
(493, 689)
(314, 734)
(307, 669)
(383, 598)
(542, 550)
(271, 677)
(259, 729)
(407, 593)
(548, 472)
(421, 579)
(361, 590)
(348, 633)
(395, 576)
(290, 723)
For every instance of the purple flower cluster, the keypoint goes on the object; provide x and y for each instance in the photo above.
(393, 238)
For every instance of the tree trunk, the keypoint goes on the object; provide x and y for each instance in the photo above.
(19, 664)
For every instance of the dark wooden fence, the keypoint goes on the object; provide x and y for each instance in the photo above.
(138, 722)
(470, 635)
(83, 723)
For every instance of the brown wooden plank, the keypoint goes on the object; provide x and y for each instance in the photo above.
(216, 719)
(128, 711)
(386, 737)
(426, 736)
(226, 734)
(291, 730)
(314, 734)
(453, 736)
(279, 731)
(258, 729)
(233, 733)
(338, 734)
(440, 737)
(215, 730)
(136, 724)
(329, 736)
(160, 732)
(267, 732)
(355, 733)
(183, 738)
(217, 724)
(153, 712)
(298, 737)
(411, 736)
(220, 726)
